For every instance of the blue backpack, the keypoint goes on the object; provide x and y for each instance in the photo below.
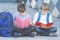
(47, 17)
(6, 24)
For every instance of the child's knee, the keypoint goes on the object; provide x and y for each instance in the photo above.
(32, 27)
(53, 29)
(38, 29)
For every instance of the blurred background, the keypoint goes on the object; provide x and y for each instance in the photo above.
(35, 4)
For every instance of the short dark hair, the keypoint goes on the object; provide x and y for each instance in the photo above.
(21, 7)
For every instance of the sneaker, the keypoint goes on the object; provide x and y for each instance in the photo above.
(31, 34)
(17, 35)
(53, 34)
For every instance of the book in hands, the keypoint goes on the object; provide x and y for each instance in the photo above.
(22, 23)
(47, 25)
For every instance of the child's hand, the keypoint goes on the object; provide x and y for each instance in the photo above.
(48, 27)
(44, 27)
(31, 24)
(14, 23)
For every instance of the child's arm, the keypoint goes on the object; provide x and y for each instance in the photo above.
(31, 24)
(50, 22)
(47, 26)
(35, 18)
(14, 23)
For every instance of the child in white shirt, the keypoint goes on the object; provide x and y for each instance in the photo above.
(43, 21)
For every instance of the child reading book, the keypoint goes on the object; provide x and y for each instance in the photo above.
(43, 21)
(22, 21)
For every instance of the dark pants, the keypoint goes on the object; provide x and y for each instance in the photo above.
(24, 31)
(46, 32)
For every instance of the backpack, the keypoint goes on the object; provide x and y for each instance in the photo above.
(47, 17)
(6, 24)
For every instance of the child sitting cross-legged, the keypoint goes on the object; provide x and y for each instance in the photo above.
(43, 21)
(22, 21)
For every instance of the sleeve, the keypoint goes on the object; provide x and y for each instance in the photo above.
(35, 18)
(50, 19)
(14, 15)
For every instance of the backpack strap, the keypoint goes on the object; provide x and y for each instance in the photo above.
(39, 16)
(47, 17)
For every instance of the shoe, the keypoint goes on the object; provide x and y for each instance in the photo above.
(31, 34)
(53, 34)
(17, 35)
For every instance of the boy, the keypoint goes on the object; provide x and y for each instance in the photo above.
(43, 21)
(22, 21)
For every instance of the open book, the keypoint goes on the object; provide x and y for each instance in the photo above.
(39, 24)
(22, 23)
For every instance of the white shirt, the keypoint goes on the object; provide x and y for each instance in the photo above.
(42, 19)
